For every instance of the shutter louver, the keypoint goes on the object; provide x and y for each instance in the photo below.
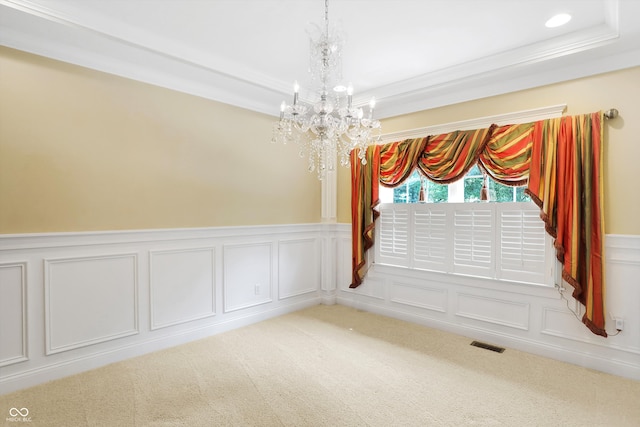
(393, 238)
(522, 245)
(430, 238)
(473, 240)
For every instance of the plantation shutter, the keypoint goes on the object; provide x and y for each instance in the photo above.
(474, 239)
(430, 239)
(393, 235)
(523, 244)
(505, 241)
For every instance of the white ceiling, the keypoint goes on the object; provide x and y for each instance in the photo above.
(410, 54)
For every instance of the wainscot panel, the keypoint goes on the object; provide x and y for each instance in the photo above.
(512, 314)
(89, 300)
(247, 275)
(428, 298)
(13, 313)
(343, 273)
(298, 267)
(182, 286)
(99, 297)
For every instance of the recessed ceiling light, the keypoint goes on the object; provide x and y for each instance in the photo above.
(558, 20)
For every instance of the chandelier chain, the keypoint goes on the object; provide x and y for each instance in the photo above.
(326, 15)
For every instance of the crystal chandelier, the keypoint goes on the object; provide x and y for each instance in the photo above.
(331, 126)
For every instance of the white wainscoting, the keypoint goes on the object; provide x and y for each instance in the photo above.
(70, 302)
(525, 317)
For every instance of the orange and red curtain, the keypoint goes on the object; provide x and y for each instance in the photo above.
(561, 159)
(448, 157)
(565, 180)
(364, 199)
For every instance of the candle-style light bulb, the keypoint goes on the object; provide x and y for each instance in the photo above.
(349, 95)
(282, 107)
(372, 105)
(296, 88)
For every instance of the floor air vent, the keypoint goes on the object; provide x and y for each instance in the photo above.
(487, 346)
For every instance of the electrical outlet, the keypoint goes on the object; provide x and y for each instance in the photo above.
(619, 324)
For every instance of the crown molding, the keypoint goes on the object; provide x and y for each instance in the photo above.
(122, 50)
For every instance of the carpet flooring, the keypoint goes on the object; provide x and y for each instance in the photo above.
(332, 366)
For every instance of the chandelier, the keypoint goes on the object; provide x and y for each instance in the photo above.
(330, 126)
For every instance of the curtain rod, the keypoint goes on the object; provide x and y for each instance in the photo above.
(481, 122)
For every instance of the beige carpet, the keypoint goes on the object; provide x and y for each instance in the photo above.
(332, 366)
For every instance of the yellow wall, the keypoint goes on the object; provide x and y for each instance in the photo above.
(619, 90)
(82, 150)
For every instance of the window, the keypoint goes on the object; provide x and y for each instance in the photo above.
(465, 190)
(501, 241)
(409, 191)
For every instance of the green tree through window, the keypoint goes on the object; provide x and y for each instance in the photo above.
(436, 193)
(473, 184)
(409, 191)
